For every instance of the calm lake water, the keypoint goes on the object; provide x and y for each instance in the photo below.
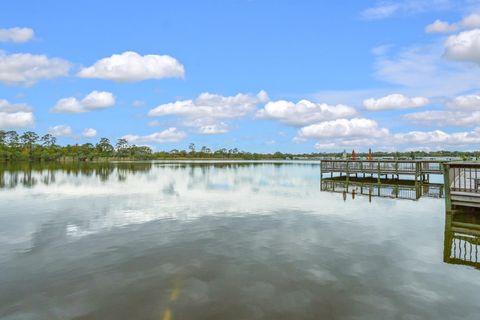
(219, 241)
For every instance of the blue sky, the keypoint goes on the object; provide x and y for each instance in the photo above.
(265, 76)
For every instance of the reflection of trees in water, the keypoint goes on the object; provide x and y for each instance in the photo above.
(207, 174)
(30, 174)
(229, 165)
(205, 167)
(28, 180)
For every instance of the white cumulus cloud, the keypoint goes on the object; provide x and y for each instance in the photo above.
(394, 101)
(16, 35)
(437, 138)
(467, 102)
(304, 112)
(207, 110)
(89, 133)
(15, 115)
(439, 26)
(98, 100)
(413, 140)
(468, 22)
(351, 128)
(471, 21)
(461, 111)
(464, 46)
(214, 128)
(8, 107)
(26, 69)
(16, 120)
(166, 136)
(93, 101)
(443, 118)
(131, 66)
(60, 131)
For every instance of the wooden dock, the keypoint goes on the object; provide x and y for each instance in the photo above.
(462, 184)
(461, 179)
(418, 169)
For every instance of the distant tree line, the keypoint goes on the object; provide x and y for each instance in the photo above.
(32, 147)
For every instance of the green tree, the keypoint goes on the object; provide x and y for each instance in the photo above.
(122, 144)
(3, 138)
(3, 146)
(104, 148)
(13, 139)
(48, 140)
(122, 148)
(28, 140)
(87, 151)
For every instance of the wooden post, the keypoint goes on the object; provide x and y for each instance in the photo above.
(348, 172)
(378, 172)
(446, 183)
(417, 173)
(321, 174)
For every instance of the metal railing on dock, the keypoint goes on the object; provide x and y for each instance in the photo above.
(462, 184)
(419, 169)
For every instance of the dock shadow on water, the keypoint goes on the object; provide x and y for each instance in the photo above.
(159, 240)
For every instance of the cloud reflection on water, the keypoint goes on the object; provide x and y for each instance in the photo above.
(241, 241)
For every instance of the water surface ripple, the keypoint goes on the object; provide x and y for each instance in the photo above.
(219, 241)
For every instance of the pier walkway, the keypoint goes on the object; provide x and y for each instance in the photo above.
(418, 169)
(393, 178)
(462, 184)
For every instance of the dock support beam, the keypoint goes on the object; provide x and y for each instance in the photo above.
(446, 183)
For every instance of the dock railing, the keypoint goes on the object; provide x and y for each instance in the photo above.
(434, 167)
(410, 167)
(462, 184)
